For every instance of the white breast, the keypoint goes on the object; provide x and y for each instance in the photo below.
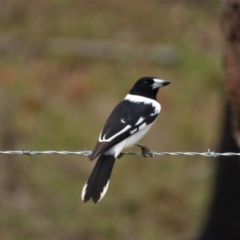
(128, 142)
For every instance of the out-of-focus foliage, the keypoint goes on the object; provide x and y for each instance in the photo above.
(59, 86)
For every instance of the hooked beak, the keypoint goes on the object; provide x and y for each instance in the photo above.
(159, 83)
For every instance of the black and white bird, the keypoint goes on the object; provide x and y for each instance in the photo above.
(127, 124)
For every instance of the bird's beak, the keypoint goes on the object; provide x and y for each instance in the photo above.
(159, 83)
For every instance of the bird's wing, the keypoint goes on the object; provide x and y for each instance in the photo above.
(126, 119)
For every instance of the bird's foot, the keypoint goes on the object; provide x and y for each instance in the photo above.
(145, 151)
(120, 155)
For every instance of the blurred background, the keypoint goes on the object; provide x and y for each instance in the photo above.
(64, 65)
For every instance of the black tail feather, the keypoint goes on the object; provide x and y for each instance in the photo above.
(97, 184)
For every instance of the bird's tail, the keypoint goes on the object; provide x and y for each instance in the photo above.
(98, 182)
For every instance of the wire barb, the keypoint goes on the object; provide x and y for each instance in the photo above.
(28, 153)
(150, 153)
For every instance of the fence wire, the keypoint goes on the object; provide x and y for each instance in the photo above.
(150, 153)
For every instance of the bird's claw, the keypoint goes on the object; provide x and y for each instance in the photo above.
(120, 155)
(145, 151)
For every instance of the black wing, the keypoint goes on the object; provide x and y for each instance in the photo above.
(123, 121)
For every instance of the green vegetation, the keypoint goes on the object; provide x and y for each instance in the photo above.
(61, 101)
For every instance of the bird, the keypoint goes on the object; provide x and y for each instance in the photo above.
(127, 124)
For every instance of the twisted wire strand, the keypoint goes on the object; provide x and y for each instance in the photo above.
(150, 153)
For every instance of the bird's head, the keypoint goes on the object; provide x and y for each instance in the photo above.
(148, 87)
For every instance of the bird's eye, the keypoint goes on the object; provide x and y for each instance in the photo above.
(145, 83)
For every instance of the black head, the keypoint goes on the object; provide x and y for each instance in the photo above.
(148, 87)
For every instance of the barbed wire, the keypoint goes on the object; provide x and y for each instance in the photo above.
(149, 153)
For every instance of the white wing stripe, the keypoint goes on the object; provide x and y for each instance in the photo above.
(117, 134)
(139, 121)
(133, 131)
